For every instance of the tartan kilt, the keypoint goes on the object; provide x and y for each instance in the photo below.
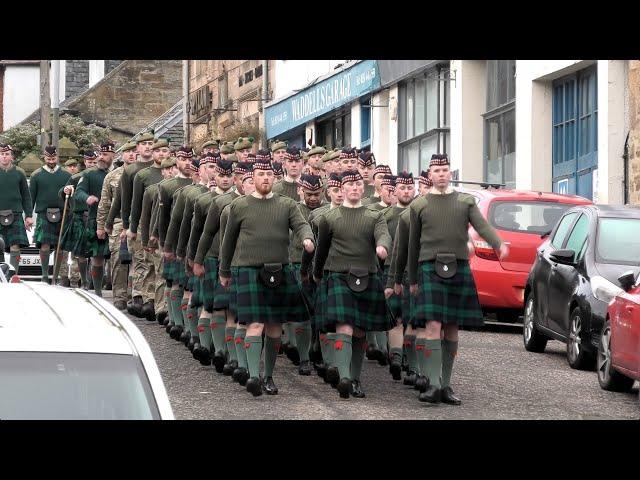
(308, 290)
(16, 233)
(73, 237)
(452, 301)
(46, 232)
(209, 283)
(180, 274)
(196, 293)
(168, 269)
(260, 304)
(95, 246)
(365, 310)
(400, 307)
(233, 294)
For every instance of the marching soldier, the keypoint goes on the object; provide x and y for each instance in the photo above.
(378, 174)
(119, 272)
(227, 150)
(67, 278)
(267, 293)
(348, 159)
(424, 183)
(15, 200)
(209, 147)
(366, 165)
(439, 274)
(167, 193)
(293, 169)
(144, 146)
(88, 191)
(216, 299)
(152, 284)
(278, 151)
(349, 238)
(44, 186)
(224, 181)
(278, 171)
(71, 166)
(90, 158)
(314, 160)
(243, 147)
(311, 193)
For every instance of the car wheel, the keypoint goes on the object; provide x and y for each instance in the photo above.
(609, 378)
(577, 356)
(534, 341)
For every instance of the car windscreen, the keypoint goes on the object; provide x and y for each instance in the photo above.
(74, 386)
(618, 241)
(526, 217)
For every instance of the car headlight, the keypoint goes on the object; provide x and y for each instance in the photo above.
(603, 289)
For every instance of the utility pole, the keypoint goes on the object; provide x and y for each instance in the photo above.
(45, 104)
(185, 102)
(55, 134)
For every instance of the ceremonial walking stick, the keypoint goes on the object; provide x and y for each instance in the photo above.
(56, 262)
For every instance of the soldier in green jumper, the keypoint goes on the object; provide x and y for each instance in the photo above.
(243, 147)
(267, 292)
(278, 151)
(366, 165)
(14, 201)
(378, 174)
(44, 186)
(288, 186)
(440, 277)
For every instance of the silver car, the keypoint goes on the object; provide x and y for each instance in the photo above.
(67, 354)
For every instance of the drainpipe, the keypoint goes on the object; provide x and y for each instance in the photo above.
(625, 158)
(265, 95)
(185, 101)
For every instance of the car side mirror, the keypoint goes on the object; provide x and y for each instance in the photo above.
(566, 257)
(627, 280)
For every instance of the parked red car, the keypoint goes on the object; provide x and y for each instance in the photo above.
(618, 361)
(521, 218)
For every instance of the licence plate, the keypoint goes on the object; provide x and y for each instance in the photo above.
(30, 260)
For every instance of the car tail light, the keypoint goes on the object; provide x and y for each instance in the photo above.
(484, 250)
(15, 279)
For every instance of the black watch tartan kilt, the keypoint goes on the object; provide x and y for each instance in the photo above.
(180, 276)
(256, 303)
(15, 234)
(96, 247)
(452, 301)
(73, 237)
(339, 304)
(399, 306)
(168, 269)
(308, 290)
(209, 283)
(46, 233)
(196, 293)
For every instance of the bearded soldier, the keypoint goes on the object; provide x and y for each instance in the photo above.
(152, 284)
(15, 200)
(314, 160)
(366, 164)
(44, 186)
(88, 191)
(349, 238)
(439, 274)
(209, 147)
(267, 293)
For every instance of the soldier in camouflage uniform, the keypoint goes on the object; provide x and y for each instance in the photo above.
(119, 273)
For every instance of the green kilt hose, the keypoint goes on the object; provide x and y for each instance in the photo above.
(400, 307)
(365, 310)
(209, 283)
(256, 302)
(46, 232)
(96, 247)
(15, 234)
(452, 301)
(73, 238)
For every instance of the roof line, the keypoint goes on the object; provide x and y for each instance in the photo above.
(46, 303)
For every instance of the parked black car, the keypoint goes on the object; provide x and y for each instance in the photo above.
(575, 276)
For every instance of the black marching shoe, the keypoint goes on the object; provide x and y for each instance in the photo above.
(448, 397)
(395, 368)
(194, 341)
(160, 316)
(410, 378)
(218, 360)
(432, 395)
(422, 383)
(304, 368)
(371, 353)
(269, 386)
(356, 389)
(167, 321)
(321, 370)
(292, 354)
(332, 376)
(202, 354)
(254, 386)
(345, 387)
(176, 331)
(383, 358)
(184, 337)
(168, 326)
(148, 311)
(120, 304)
(135, 306)
(240, 375)
(228, 368)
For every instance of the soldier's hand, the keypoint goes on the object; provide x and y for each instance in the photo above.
(198, 270)
(413, 289)
(471, 249)
(101, 233)
(225, 282)
(28, 222)
(308, 245)
(92, 199)
(153, 240)
(123, 235)
(168, 256)
(381, 252)
(190, 262)
(179, 258)
(68, 190)
(131, 235)
(109, 230)
(398, 288)
(388, 292)
(504, 251)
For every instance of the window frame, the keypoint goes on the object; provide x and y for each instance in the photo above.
(569, 230)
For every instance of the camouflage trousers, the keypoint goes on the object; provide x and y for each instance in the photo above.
(140, 270)
(119, 273)
(72, 273)
(155, 284)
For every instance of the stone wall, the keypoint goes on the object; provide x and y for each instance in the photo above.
(634, 132)
(76, 77)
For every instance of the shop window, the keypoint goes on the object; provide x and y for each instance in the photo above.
(365, 122)
(500, 123)
(248, 76)
(258, 71)
(334, 132)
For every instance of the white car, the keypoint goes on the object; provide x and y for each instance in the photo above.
(67, 354)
